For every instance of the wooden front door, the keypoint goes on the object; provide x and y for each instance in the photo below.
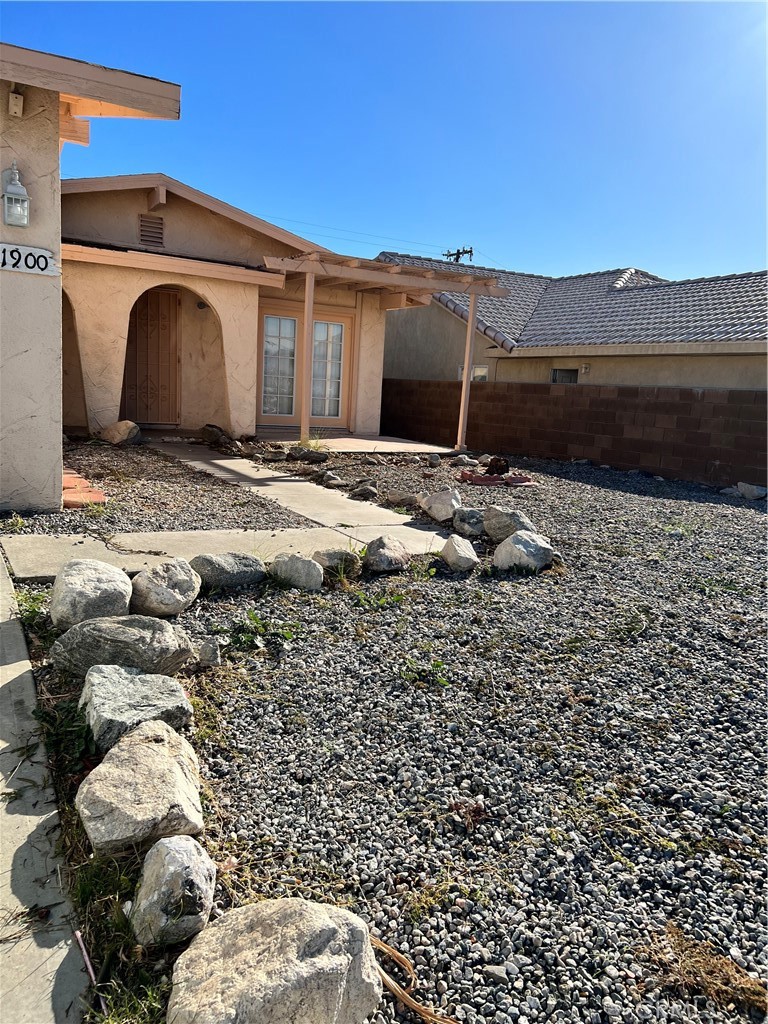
(151, 380)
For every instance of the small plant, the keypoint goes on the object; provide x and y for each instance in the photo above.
(33, 616)
(97, 510)
(253, 633)
(372, 603)
(14, 523)
(424, 675)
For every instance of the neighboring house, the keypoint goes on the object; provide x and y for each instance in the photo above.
(180, 310)
(45, 101)
(616, 327)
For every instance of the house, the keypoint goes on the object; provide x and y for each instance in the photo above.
(615, 327)
(45, 101)
(180, 310)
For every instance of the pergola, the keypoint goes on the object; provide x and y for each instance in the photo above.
(396, 284)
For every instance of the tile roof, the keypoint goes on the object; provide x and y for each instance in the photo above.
(611, 307)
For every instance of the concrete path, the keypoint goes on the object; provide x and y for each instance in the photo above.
(41, 970)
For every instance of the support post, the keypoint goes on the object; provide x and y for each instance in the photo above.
(466, 377)
(305, 366)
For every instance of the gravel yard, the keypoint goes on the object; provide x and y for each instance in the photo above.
(518, 781)
(147, 490)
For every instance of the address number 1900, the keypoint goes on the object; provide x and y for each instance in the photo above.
(27, 259)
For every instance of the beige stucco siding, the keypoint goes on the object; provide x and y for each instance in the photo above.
(427, 343)
(702, 371)
(30, 314)
(113, 218)
(368, 370)
(73, 394)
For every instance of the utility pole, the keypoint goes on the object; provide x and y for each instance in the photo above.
(457, 255)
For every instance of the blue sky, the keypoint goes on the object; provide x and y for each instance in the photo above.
(554, 138)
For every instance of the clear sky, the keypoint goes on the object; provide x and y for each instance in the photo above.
(555, 138)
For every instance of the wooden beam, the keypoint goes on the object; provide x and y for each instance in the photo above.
(466, 377)
(169, 265)
(156, 197)
(398, 300)
(72, 130)
(466, 284)
(305, 362)
(333, 282)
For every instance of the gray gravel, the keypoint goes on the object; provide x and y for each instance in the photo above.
(148, 490)
(519, 780)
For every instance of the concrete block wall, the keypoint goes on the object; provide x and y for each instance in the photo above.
(707, 435)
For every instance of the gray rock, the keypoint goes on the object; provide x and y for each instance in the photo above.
(175, 894)
(88, 589)
(464, 460)
(339, 564)
(232, 569)
(117, 699)
(166, 589)
(484, 459)
(459, 554)
(146, 788)
(286, 961)
(386, 554)
(441, 505)
(316, 456)
(501, 523)
(274, 455)
(403, 499)
(751, 491)
(524, 550)
(208, 654)
(296, 571)
(122, 432)
(496, 974)
(213, 435)
(434, 460)
(133, 641)
(364, 493)
(468, 522)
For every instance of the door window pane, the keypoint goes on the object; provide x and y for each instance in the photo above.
(279, 363)
(326, 369)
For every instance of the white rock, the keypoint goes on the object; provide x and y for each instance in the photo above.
(751, 491)
(524, 550)
(175, 894)
(88, 589)
(405, 499)
(286, 961)
(441, 505)
(122, 432)
(298, 572)
(501, 523)
(339, 564)
(166, 589)
(484, 459)
(386, 554)
(146, 788)
(133, 641)
(459, 554)
(468, 522)
(117, 699)
(232, 569)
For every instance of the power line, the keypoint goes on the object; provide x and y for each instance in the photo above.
(349, 231)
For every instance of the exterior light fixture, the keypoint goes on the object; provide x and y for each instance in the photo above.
(15, 199)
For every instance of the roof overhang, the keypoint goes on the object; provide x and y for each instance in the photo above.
(362, 274)
(661, 348)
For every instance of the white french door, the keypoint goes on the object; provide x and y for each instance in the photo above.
(327, 369)
(279, 379)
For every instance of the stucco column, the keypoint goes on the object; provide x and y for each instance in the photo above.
(30, 314)
(237, 306)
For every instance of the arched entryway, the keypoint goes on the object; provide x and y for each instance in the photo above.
(73, 408)
(174, 361)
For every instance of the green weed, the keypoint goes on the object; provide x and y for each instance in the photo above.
(14, 524)
(425, 675)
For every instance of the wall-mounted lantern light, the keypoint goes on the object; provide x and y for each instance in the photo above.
(15, 199)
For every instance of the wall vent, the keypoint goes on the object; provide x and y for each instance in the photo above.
(151, 230)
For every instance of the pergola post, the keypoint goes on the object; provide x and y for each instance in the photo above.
(304, 376)
(466, 377)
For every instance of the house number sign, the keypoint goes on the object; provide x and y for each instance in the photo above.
(27, 259)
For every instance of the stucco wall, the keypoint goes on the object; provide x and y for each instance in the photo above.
(370, 360)
(700, 371)
(102, 297)
(73, 395)
(113, 217)
(427, 343)
(203, 387)
(30, 315)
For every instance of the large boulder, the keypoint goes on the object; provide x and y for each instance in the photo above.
(339, 564)
(134, 641)
(146, 788)
(386, 554)
(214, 435)
(459, 554)
(117, 699)
(166, 589)
(500, 523)
(230, 570)
(175, 894)
(524, 550)
(441, 505)
(752, 492)
(468, 522)
(122, 432)
(88, 589)
(296, 571)
(286, 961)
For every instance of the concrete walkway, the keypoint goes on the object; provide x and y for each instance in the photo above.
(41, 971)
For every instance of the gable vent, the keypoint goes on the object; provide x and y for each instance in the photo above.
(151, 230)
